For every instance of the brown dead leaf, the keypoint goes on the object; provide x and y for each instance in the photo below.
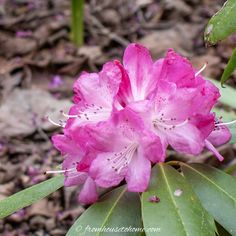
(43, 208)
(91, 52)
(177, 38)
(15, 46)
(24, 112)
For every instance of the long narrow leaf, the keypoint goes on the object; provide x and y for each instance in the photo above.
(30, 195)
(230, 67)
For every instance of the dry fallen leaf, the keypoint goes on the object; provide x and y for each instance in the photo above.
(24, 112)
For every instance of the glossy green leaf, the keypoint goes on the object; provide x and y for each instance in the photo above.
(217, 192)
(230, 67)
(222, 24)
(30, 195)
(115, 210)
(179, 211)
(227, 116)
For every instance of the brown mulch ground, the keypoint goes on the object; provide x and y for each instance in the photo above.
(38, 65)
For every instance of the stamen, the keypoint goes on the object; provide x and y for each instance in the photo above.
(201, 70)
(59, 171)
(123, 158)
(226, 123)
(68, 116)
(93, 113)
(60, 124)
(162, 123)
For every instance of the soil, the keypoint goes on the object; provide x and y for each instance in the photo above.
(39, 63)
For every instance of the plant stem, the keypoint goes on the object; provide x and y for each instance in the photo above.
(77, 22)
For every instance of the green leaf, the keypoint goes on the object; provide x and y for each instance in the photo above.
(228, 94)
(217, 192)
(115, 210)
(30, 195)
(227, 117)
(179, 211)
(222, 24)
(230, 67)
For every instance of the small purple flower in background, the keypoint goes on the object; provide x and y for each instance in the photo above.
(56, 82)
(23, 34)
(34, 174)
(1, 146)
(124, 118)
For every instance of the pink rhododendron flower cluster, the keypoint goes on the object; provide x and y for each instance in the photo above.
(124, 118)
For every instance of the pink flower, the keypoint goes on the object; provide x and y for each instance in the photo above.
(179, 103)
(125, 116)
(75, 167)
(126, 151)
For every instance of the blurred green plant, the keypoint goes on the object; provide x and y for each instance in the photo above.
(77, 22)
(230, 67)
(219, 27)
(30, 195)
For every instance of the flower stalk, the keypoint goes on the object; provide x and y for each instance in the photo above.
(77, 22)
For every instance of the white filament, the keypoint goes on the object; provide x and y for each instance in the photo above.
(54, 123)
(226, 123)
(201, 70)
(59, 171)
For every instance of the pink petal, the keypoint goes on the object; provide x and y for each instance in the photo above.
(205, 123)
(186, 139)
(188, 99)
(88, 193)
(138, 63)
(154, 147)
(220, 135)
(138, 174)
(177, 69)
(69, 148)
(94, 95)
(124, 95)
(75, 178)
(99, 88)
(103, 171)
(213, 150)
(65, 144)
(206, 97)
